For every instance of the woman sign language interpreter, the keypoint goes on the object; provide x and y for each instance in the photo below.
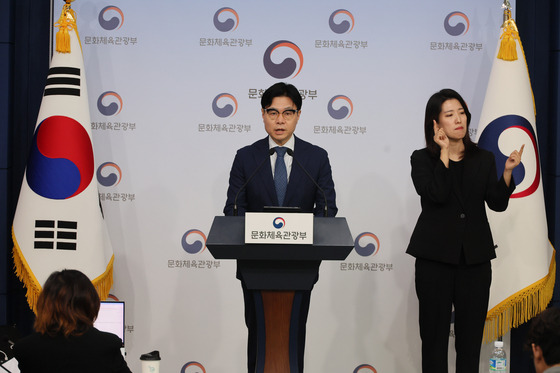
(452, 241)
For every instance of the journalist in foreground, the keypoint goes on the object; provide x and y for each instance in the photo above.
(65, 339)
(452, 242)
(543, 341)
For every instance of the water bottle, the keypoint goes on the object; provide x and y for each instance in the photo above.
(498, 361)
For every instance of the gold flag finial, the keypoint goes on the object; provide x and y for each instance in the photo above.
(506, 6)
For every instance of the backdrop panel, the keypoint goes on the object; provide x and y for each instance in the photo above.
(175, 90)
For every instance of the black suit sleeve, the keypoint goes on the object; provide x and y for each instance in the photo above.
(432, 180)
(497, 192)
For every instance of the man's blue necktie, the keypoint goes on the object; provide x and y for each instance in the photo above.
(280, 174)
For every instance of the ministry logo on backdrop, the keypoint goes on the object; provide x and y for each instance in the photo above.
(456, 23)
(193, 241)
(230, 23)
(289, 67)
(109, 103)
(367, 244)
(526, 175)
(224, 105)
(60, 167)
(229, 109)
(341, 22)
(344, 26)
(109, 174)
(363, 368)
(193, 367)
(111, 18)
(226, 20)
(345, 107)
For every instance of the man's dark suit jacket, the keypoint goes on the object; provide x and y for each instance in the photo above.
(301, 191)
(95, 351)
(453, 217)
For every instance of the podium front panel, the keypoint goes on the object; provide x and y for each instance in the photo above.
(332, 241)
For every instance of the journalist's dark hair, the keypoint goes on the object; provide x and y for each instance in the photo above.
(281, 90)
(545, 333)
(67, 305)
(433, 110)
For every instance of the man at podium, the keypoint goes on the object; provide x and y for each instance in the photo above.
(280, 170)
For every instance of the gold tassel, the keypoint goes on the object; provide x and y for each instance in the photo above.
(66, 22)
(26, 276)
(508, 46)
(521, 306)
(104, 282)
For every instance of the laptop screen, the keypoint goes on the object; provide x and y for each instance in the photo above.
(111, 318)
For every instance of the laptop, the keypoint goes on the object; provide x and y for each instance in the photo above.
(111, 318)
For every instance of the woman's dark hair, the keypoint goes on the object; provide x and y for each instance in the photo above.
(545, 333)
(67, 305)
(281, 90)
(433, 110)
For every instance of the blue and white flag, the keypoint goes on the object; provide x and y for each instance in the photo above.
(58, 222)
(523, 273)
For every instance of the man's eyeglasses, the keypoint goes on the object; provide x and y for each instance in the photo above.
(287, 114)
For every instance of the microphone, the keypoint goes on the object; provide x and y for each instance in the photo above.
(291, 154)
(270, 152)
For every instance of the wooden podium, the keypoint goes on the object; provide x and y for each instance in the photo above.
(275, 273)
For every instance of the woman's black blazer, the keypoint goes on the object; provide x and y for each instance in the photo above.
(95, 351)
(453, 217)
